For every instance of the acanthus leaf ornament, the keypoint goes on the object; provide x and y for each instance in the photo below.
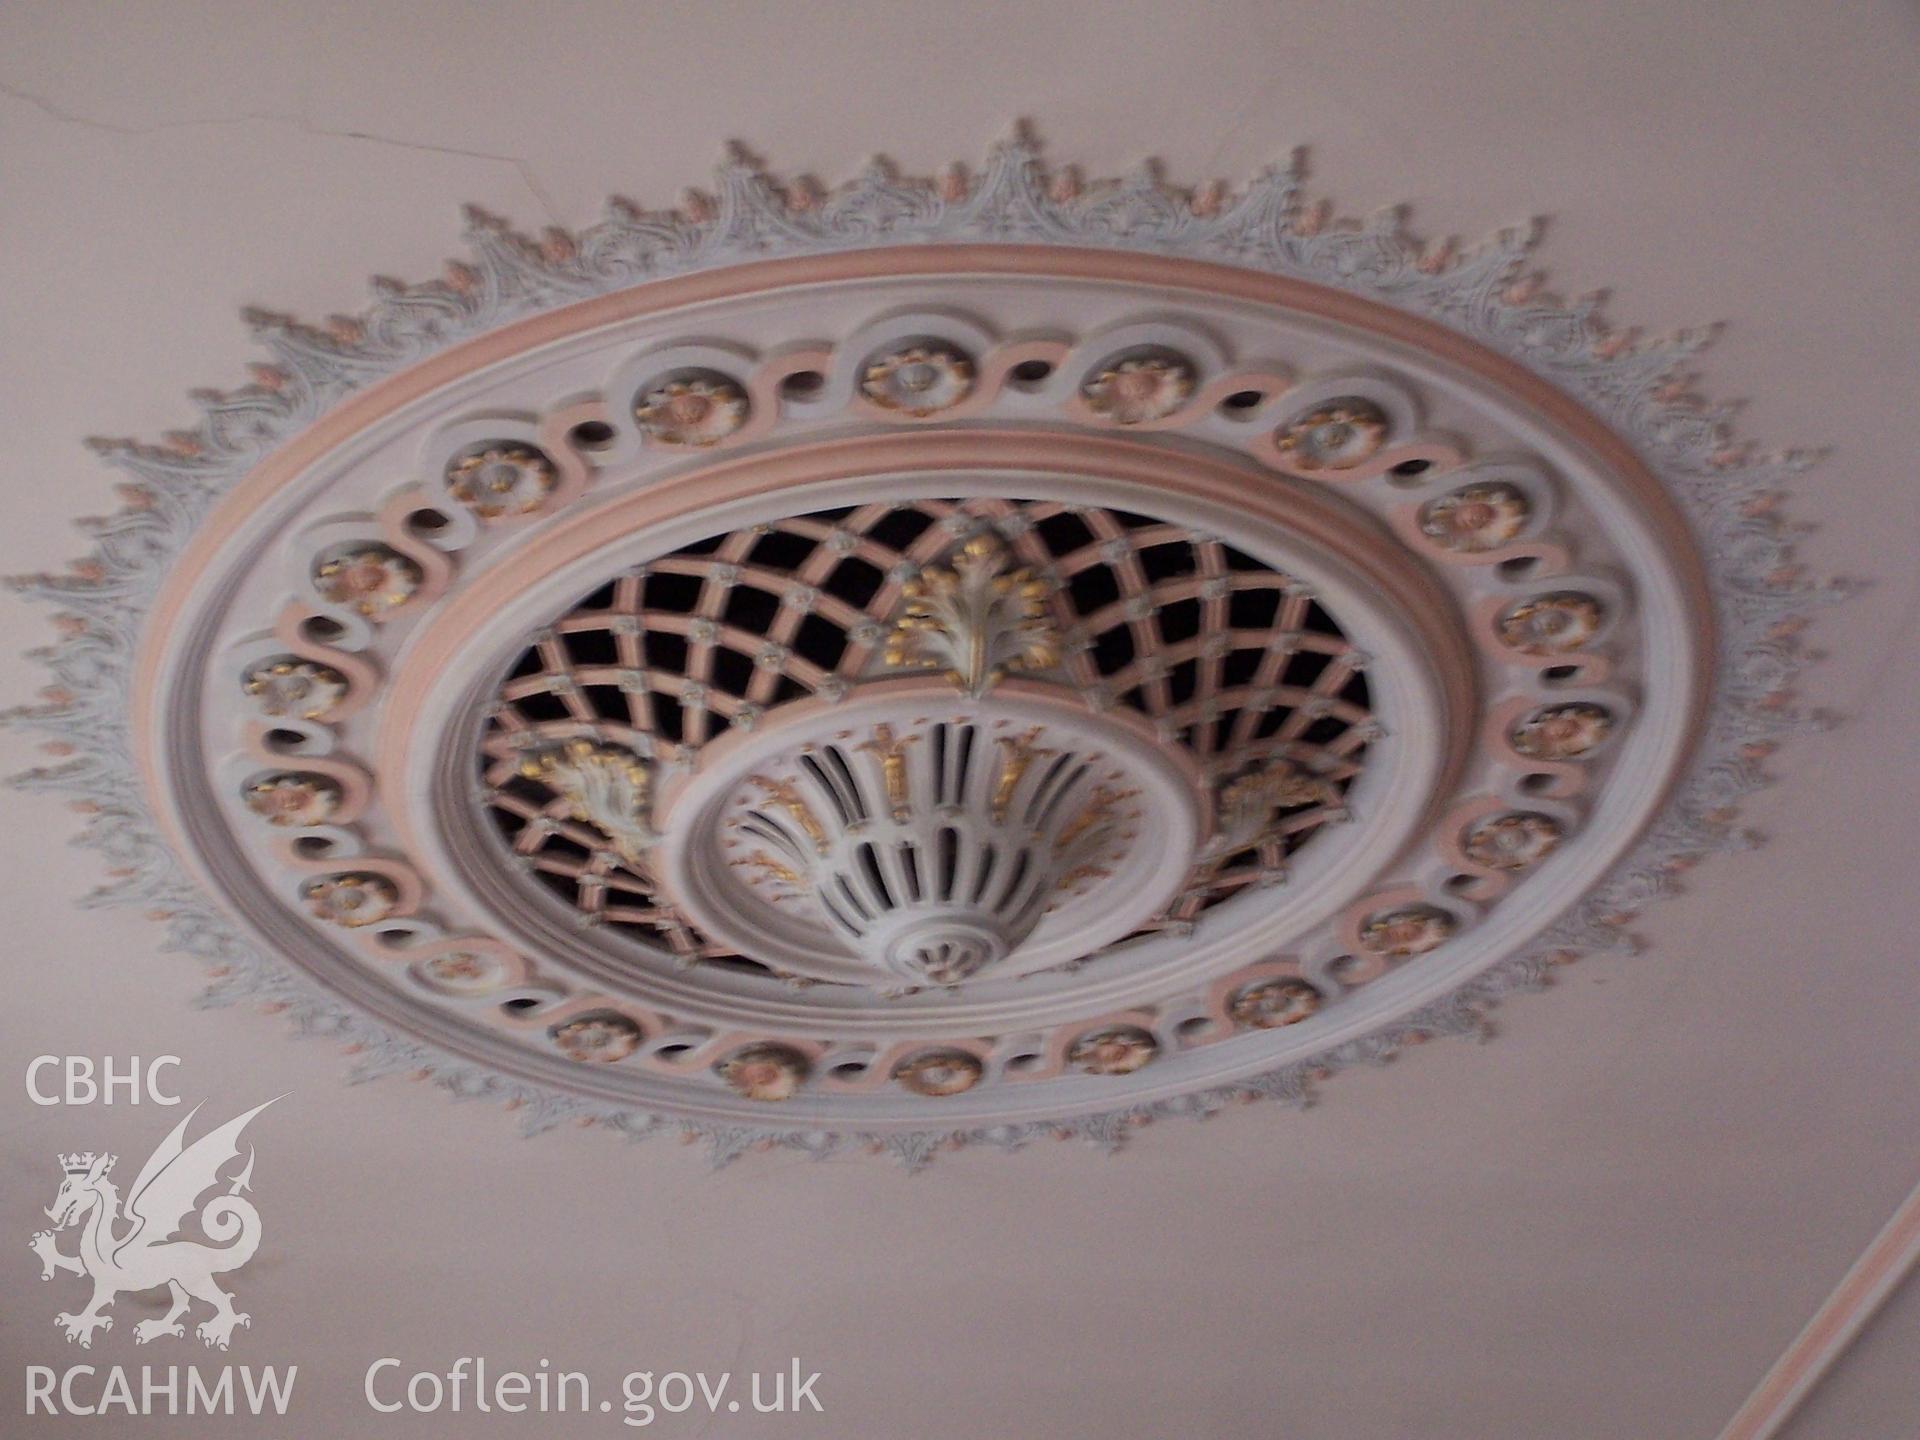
(1248, 803)
(604, 786)
(976, 621)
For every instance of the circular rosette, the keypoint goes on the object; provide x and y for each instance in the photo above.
(1475, 518)
(352, 900)
(464, 972)
(1117, 1050)
(294, 800)
(694, 410)
(918, 380)
(1139, 388)
(765, 1072)
(1273, 1004)
(940, 1073)
(1411, 931)
(1552, 624)
(372, 579)
(597, 1039)
(1334, 437)
(501, 479)
(1563, 732)
(299, 689)
(1513, 841)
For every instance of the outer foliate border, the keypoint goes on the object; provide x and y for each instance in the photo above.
(1728, 491)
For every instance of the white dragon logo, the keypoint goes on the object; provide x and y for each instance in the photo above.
(146, 1256)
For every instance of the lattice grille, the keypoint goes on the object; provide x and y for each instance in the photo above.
(1229, 658)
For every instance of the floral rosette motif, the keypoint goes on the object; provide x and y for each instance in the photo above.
(1563, 732)
(918, 380)
(764, 1072)
(1513, 841)
(297, 688)
(942, 1072)
(465, 972)
(597, 1039)
(1412, 931)
(294, 800)
(1117, 1050)
(691, 410)
(1272, 1004)
(501, 480)
(1139, 388)
(1334, 437)
(1475, 518)
(352, 900)
(1552, 624)
(372, 579)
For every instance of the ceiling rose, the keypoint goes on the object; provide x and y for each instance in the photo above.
(928, 662)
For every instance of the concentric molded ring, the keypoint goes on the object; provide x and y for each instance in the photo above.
(458, 628)
(1387, 603)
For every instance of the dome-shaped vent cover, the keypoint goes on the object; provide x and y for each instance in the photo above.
(934, 852)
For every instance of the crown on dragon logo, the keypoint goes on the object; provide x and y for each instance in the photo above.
(82, 1163)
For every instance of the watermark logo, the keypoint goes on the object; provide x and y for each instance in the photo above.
(137, 1247)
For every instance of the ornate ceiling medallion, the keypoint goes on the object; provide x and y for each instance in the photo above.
(780, 672)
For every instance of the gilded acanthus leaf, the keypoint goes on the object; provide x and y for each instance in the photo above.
(605, 787)
(976, 621)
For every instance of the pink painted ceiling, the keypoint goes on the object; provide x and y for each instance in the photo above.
(1609, 1221)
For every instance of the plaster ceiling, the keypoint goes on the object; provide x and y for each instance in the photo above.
(1610, 1220)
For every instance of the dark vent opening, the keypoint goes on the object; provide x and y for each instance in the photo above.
(946, 862)
(898, 529)
(870, 868)
(1183, 681)
(1306, 666)
(751, 609)
(988, 858)
(1240, 667)
(820, 641)
(780, 550)
(1171, 561)
(543, 705)
(854, 581)
(1253, 609)
(1179, 621)
(1092, 589)
(732, 671)
(591, 647)
(1064, 533)
(607, 701)
(1113, 650)
(664, 650)
(672, 594)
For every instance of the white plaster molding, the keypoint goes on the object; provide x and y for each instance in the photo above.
(1724, 488)
(1842, 1316)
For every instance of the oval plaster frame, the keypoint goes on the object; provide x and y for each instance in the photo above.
(1579, 428)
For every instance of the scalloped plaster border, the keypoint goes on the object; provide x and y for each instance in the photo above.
(1727, 490)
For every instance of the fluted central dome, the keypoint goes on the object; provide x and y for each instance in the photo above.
(927, 837)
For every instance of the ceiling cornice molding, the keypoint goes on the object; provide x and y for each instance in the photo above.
(1637, 387)
(1872, 1279)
